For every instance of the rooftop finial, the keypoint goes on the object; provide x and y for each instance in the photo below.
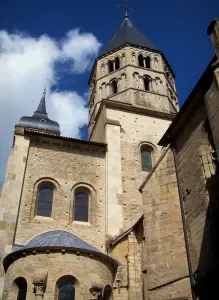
(125, 7)
(44, 92)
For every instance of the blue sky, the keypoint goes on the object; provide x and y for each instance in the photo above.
(178, 28)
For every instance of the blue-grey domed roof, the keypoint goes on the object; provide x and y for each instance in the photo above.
(58, 239)
(40, 119)
(53, 241)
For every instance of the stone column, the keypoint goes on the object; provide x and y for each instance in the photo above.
(96, 292)
(39, 292)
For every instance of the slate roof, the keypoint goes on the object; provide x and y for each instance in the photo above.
(40, 120)
(128, 34)
(57, 239)
(53, 241)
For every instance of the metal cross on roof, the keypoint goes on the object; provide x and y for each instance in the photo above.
(125, 7)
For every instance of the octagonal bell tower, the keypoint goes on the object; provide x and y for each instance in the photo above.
(132, 102)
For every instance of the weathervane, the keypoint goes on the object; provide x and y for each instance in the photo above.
(125, 7)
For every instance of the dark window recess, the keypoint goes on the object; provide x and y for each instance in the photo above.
(117, 63)
(22, 288)
(148, 62)
(110, 66)
(140, 60)
(146, 160)
(81, 207)
(146, 84)
(66, 291)
(114, 87)
(44, 202)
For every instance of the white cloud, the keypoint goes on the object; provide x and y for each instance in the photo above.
(27, 64)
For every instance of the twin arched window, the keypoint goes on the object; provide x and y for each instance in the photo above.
(114, 65)
(144, 62)
(44, 199)
(65, 288)
(146, 158)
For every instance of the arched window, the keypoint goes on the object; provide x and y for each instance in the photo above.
(44, 200)
(146, 158)
(114, 87)
(140, 60)
(146, 83)
(110, 66)
(117, 63)
(65, 288)
(107, 293)
(81, 204)
(19, 289)
(148, 62)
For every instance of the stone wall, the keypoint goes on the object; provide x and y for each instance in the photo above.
(66, 165)
(135, 130)
(165, 263)
(86, 270)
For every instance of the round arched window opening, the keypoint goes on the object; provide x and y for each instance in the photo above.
(147, 158)
(44, 199)
(65, 288)
(114, 87)
(110, 66)
(19, 289)
(81, 204)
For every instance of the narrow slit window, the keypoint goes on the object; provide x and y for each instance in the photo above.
(148, 62)
(117, 63)
(140, 60)
(81, 206)
(146, 159)
(44, 201)
(110, 66)
(114, 87)
(146, 84)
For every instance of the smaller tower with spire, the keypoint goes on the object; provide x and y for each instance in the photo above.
(40, 120)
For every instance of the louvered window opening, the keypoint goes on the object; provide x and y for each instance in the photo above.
(81, 207)
(66, 291)
(146, 160)
(44, 203)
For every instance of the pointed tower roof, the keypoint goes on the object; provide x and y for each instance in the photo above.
(128, 34)
(40, 120)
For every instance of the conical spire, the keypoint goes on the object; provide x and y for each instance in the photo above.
(42, 105)
(128, 34)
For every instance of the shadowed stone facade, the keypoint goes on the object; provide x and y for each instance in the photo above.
(149, 197)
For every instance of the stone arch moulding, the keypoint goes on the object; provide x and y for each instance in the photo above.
(91, 205)
(154, 152)
(37, 185)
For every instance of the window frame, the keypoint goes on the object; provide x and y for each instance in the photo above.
(44, 185)
(71, 279)
(153, 150)
(92, 204)
(81, 190)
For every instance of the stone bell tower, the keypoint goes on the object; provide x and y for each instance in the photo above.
(132, 102)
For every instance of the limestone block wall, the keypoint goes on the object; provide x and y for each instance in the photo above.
(212, 107)
(10, 198)
(135, 130)
(166, 261)
(67, 165)
(198, 177)
(86, 270)
(189, 145)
